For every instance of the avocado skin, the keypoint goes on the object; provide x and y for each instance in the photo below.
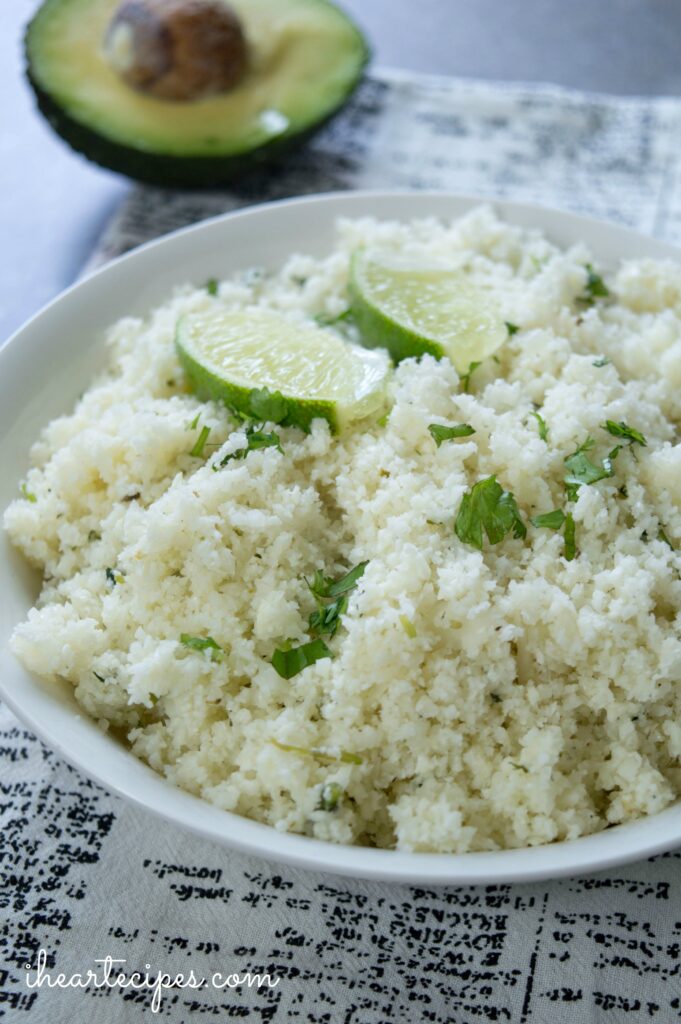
(169, 170)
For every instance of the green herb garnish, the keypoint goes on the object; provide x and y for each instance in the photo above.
(329, 797)
(511, 328)
(569, 536)
(268, 406)
(441, 433)
(549, 520)
(211, 285)
(581, 470)
(542, 429)
(194, 423)
(200, 443)
(203, 643)
(603, 361)
(326, 619)
(466, 377)
(28, 495)
(289, 663)
(255, 439)
(595, 287)
(97, 676)
(624, 431)
(408, 627)
(487, 506)
(114, 577)
(326, 586)
(345, 757)
(93, 536)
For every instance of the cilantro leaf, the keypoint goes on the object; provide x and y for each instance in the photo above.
(569, 536)
(581, 470)
(326, 586)
(202, 643)
(321, 755)
(194, 423)
(549, 520)
(595, 287)
(114, 577)
(289, 663)
(490, 508)
(211, 285)
(200, 443)
(542, 429)
(255, 439)
(330, 796)
(28, 495)
(268, 406)
(624, 431)
(511, 328)
(441, 433)
(466, 377)
(602, 361)
(326, 619)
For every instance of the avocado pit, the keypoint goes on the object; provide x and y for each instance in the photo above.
(179, 50)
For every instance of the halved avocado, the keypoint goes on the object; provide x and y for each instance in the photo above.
(305, 58)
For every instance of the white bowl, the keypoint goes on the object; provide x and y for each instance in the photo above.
(46, 365)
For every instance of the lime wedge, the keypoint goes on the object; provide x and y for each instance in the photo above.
(412, 311)
(231, 356)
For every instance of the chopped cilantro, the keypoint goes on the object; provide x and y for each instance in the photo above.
(603, 361)
(326, 619)
(511, 328)
(383, 420)
(549, 520)
(490, 508)
(97, 676)
(268, 406)
(624, 431)
(255, 439)
(211, 286)
(289, 663)
(194, 423)
(466, 377)
(329, 797)
(28, 495)
(581, 470)
(345, 757)
(569, 536)
(595, 287)
(202, 643)
(114, 577)
(441, 433)
(408, 626)
(542, 429)
(326, 586)
(200, 443)
(153, 698)
(324, 320)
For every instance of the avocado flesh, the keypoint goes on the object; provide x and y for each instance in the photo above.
(306, 57)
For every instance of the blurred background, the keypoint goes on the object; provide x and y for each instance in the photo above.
(53, 204)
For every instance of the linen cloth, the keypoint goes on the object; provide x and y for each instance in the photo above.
(86, 876)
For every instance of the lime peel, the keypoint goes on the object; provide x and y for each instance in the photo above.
(236, 356)
(413, 311)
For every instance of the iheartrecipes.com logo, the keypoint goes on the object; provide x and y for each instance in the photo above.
(110, 973)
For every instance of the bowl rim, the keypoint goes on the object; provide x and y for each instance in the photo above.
(143, 787)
